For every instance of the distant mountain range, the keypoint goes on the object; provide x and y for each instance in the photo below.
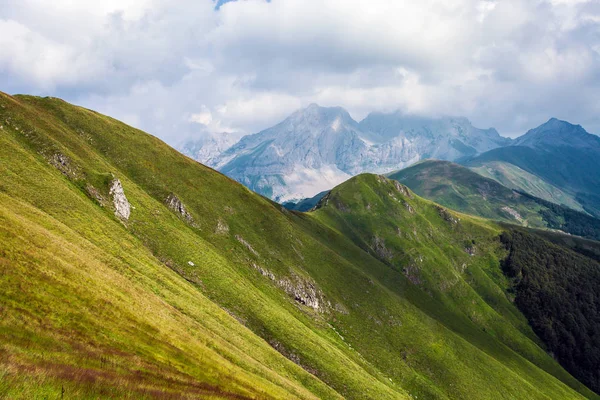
(317, 148)
(557, 161)
(464, 190)
(130, 271)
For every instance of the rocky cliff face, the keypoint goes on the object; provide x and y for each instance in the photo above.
(208, 149)
(317, 148)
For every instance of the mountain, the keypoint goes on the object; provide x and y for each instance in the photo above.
(131, 271)
(516, 178)
(317, 148)
(556, 133)
(442, 138)
(207, 149)
(312, 150)
(461, 189)
(562, 155)
(305, 204)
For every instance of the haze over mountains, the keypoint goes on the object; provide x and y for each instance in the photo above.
(317, 148)
(561, 156)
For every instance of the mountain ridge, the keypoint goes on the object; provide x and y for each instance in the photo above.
(316, 148)
(205, 289)
(555, 133)
(564, 156)
(462, 189)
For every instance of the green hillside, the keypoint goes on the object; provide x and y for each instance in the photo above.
(574, 171)
(202, 289)
(516, 178)
(461, 189)
(558, 291)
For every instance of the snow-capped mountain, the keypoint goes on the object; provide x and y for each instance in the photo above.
(317, 148)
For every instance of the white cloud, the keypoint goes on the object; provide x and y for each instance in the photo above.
(188, 69)
(31, 57)
(204, 117)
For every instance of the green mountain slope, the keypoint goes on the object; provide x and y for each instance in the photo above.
(459, 188)
(575, 171)
(203, 289)
(516, 178)
(558, 292)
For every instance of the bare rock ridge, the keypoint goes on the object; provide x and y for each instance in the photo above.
(122, 206)
(316, 148)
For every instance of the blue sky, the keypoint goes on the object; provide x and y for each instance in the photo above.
(195, 67)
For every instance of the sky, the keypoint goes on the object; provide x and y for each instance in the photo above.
(186, 69)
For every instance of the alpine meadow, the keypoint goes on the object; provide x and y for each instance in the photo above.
(300, 200)
(209, 290)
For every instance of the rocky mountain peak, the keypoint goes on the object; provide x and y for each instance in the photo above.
(316, 148)
(323, 117)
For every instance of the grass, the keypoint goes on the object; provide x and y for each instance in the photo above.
(555, 167)
(464, 190)
(514, 177)
(158, 306)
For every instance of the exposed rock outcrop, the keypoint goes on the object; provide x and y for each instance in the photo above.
(513, 213)
(413, 274)
(176, 205)
(222, 228)
(122, 206)
(64, 165)
(447, 216)
(402, 189)
(471, 250)
(380, 249)
(303, 291)
(264, 272)
(246, 244)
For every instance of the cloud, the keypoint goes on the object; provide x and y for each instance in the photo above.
(200, 66)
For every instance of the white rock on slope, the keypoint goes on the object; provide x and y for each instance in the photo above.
(122, 207)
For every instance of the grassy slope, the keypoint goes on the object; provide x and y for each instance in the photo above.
(575, 171)
(514, 177)
(111, 309)
(459, 188)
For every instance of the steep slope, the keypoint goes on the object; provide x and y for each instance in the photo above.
(461, 189)
(131, 271)
(516, 178)
(563, 155)
(558, 292)
(317, 148)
